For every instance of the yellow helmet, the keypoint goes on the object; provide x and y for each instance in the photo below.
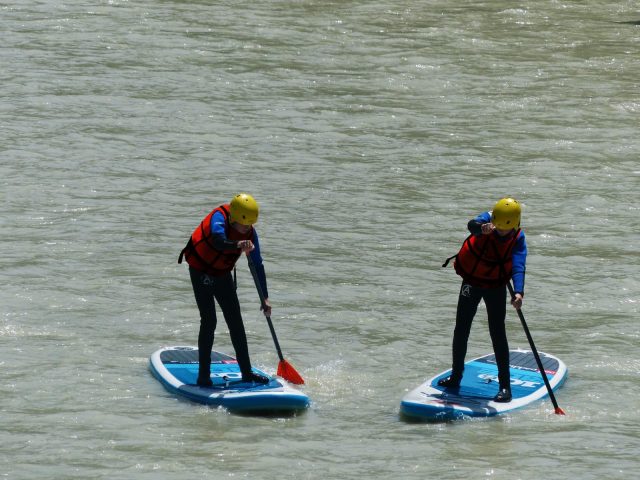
(244, 209)
(506, 214)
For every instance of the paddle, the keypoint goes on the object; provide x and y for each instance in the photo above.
(285, 369)
(558, 410)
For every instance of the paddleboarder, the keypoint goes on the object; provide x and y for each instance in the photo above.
(494, 253)
(212, 252)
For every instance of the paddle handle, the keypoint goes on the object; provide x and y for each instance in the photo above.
(256, 280)
(558, 410)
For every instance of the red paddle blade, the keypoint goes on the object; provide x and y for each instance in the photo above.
(559, 411)
(286, 371)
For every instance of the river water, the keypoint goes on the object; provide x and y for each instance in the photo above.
(370, 132)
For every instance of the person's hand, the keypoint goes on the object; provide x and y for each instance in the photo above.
(266, 308)
(516, 301)
(246, 246)
(487, 228)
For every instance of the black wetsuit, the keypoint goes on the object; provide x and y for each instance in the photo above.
(206, 288)
(495, 301)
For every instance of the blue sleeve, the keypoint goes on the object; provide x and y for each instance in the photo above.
(519, 263)
(256, 257)
(219, 233)
(484, 217)
(218, 225)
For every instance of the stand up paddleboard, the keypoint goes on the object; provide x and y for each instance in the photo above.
(177, 369)
(474, 397)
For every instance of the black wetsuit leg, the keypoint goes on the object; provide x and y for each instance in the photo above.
(205, 289)
(468, 301)
(225, 293)
(495, 300)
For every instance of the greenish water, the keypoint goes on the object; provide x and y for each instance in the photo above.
(370, 132)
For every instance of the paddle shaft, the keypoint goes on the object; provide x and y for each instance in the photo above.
(256, 280)
(535, 353)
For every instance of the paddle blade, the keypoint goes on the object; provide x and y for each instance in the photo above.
(559, 411)
(286, 371)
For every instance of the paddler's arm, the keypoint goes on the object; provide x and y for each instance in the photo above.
(219, 234)
(475, 225)
(256, 258)
(518, 269)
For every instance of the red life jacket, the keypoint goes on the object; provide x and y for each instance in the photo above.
(203, 256)
(486, 261)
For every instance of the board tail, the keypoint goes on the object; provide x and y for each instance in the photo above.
(286, 371)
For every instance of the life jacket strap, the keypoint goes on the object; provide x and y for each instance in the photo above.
(448, 260)
(187, 247)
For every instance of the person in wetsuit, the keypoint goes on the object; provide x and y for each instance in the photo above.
(494, 254)
(212, 252)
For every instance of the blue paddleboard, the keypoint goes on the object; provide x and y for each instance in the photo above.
(177, 369)
(479, 385)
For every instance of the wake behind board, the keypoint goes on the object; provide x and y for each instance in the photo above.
(177, 369)
(479, 385)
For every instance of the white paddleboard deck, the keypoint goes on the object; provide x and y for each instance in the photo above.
(479, 385)
(176, 368)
